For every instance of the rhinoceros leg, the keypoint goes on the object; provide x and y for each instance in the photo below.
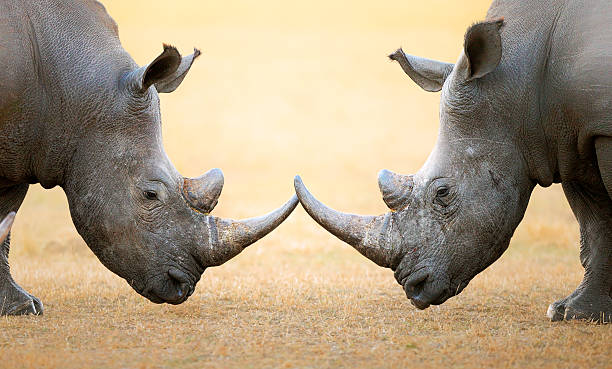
(14, 300)
(591, 300)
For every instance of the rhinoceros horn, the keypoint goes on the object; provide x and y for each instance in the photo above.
(395, 189)
(227, 238)
(370, 235)
(5, 226)
(203, 193)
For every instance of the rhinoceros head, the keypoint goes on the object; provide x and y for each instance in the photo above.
(456, 215)
(141, 218)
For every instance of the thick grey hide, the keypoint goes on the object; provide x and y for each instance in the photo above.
(77, 112)
(528, 102)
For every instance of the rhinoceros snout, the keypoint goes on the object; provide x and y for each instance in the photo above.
(173, 287)
(414, 284)
(423, 289)
(183, 286)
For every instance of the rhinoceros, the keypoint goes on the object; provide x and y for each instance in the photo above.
(528, 102)
(77, 112)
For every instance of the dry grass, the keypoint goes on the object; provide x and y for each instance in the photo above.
(286, 88)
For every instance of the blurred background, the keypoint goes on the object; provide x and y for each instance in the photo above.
(286, 88)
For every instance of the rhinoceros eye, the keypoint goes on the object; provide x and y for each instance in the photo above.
(150, 195)
(442, 192)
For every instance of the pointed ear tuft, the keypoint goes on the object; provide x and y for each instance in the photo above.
(162, 67)
(483, 48)
(172, 82)
(166, 72)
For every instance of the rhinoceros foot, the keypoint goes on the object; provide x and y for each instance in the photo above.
(15, 301)
(582, 306)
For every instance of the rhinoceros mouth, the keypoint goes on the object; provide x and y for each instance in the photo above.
(173, 287)
(423, 288)
(157, 296)
(424, 299)
(425, 293)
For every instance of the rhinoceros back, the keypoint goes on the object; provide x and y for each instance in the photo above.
(59, 59)
(560, 51)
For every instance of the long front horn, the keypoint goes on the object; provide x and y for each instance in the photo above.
(370, 235)
(5, 226)
(227, 237)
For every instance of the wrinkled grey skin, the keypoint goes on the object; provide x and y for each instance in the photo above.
(529, 102)
(77, 112)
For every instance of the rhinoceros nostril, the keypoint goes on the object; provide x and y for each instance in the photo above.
(415, 284)
(185, 289)
(179, 276)
(182, 283)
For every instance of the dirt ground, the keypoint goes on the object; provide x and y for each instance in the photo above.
(286, 88)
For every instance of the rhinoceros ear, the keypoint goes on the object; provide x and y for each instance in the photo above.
(166, 72)
(172, 82)
(482, 48)
(429, 74)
